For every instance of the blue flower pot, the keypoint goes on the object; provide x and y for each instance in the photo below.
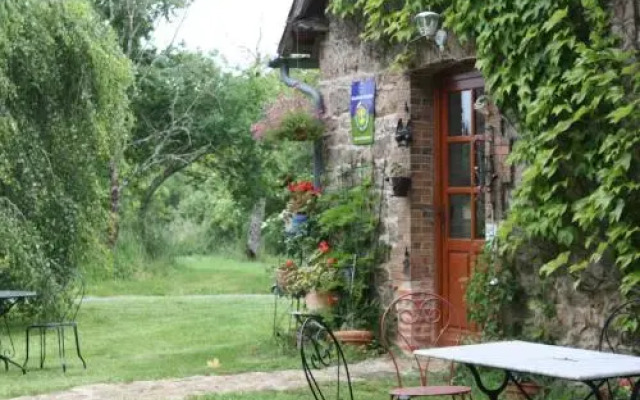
(297, 222)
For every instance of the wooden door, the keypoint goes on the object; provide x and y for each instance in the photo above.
(461, 201)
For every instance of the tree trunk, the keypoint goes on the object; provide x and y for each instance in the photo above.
(168, 172)
(114, 216)
(255, 229)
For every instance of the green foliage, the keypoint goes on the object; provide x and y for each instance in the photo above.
(63, 95)
(558, 70)
(134, 20)
(491, 288)
(345, 224)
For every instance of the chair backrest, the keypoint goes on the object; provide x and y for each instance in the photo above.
(415, 320)
(614, 337)
(67, 298)
(319, 349)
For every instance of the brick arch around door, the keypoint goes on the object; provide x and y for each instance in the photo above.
(447, 203)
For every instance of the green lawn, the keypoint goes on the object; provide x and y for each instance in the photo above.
(150, 337)
(176, 333)
(193, 275)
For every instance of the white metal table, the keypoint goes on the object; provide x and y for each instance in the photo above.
(593, 368)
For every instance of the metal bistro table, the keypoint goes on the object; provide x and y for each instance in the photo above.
(8, 298)
(593, 368)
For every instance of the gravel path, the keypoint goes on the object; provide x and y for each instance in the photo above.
(179, 389)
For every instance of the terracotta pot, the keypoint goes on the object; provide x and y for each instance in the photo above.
(531, 388)
(354, 337)
(320, 300)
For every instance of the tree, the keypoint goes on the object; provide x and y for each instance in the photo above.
(188, 109)
(64, 109)
(133, 20)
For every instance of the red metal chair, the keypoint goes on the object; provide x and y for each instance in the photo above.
(418, 320)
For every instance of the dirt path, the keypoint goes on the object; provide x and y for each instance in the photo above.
(179, 389)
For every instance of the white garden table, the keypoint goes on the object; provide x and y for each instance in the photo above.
(593, 368)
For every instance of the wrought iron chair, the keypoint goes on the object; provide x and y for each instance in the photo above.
(74, 288)
(402, 316)
(319, 349)
(614, 340)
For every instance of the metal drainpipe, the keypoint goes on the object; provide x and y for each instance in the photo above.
(314, 94)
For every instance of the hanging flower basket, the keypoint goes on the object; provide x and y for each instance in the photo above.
(290, 117)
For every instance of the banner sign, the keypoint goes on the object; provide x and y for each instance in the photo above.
(363, 94)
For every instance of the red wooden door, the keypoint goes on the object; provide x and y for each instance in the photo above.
(461, 202)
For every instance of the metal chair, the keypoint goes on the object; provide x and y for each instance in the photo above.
(74, 289)
(433, 314)
(319, 349)
(614, 340)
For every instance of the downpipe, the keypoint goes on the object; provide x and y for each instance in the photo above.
(316, 97)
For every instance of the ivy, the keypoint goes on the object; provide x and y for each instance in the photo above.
(555, 66)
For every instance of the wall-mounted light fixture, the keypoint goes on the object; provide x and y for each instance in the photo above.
(404, 133)
(428, 23)
(406, 263)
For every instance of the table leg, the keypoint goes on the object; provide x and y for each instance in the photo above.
(595, 388)
(492, 394)
(635, 393)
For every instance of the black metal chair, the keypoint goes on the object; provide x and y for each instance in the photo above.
(616, 340)
(73, 292)
(319, 349)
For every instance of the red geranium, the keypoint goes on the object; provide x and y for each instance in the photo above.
(302, 186)
(289, 264)
(324, 247)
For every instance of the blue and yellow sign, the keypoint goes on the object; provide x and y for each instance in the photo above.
(363, 94)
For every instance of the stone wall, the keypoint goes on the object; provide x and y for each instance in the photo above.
(344, 59)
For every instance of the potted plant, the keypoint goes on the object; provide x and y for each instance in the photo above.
(400, 180)
(302, 197)
(285, 272)
(290, 117)
(349, 218)
(318, 280)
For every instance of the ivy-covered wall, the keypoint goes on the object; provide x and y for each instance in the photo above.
(572, 313)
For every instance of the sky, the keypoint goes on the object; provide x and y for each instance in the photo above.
(235, 28)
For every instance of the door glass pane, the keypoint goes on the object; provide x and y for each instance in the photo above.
(459, 164)
(480, 121)
(460, 113)
(480, 222)
(460, 216)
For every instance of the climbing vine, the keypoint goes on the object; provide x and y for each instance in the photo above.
(557, 69)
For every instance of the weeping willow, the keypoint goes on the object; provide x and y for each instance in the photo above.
(63, 113)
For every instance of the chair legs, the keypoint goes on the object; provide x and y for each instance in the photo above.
(60, 331)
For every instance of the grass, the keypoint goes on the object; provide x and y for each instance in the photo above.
(193, 275)
(152, 337)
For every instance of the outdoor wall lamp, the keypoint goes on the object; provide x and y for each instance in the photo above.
(404, 133)
(428, 22)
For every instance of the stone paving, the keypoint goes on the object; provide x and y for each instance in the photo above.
(179, 389)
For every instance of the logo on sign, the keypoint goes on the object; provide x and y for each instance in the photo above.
(362, 117)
